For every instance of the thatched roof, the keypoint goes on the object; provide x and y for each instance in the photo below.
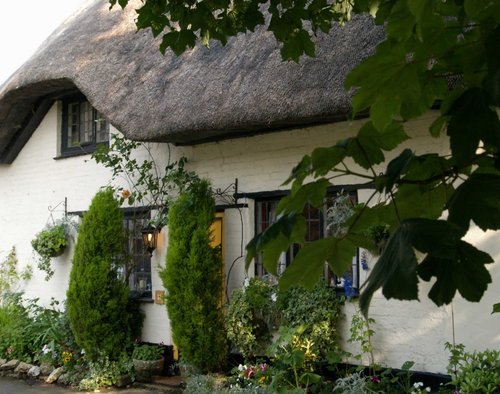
(202, 95)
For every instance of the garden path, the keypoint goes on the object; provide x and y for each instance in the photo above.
(15, 386)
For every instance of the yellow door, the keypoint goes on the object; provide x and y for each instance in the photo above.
(217, 240)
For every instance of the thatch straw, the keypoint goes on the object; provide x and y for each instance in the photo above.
(202, 95)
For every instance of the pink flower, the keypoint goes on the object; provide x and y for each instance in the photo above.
(375, 379)
(249, 373)
(10, 350)
(263, 367)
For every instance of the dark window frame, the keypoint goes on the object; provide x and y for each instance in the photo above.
(87, 147)
(333, 281)
(143, 214)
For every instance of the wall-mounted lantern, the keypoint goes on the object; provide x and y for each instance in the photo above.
(149, 238)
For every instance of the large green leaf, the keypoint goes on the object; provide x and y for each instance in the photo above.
(400, 22)
(395, 169)
(308, 264)
(325, 159)
(477, 199)
(492, 81)
(395, 271)
(364, 153)
(463, 270)
(389, 138)
(496, 308)
(375, 74)
(366, 217)
(423, 168)
(300, 172)
(342, 253)
(471, 120)
(422, 201)
(437, 237)
(276, 239)
(313, 193)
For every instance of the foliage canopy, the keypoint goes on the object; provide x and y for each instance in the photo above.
(443, 52)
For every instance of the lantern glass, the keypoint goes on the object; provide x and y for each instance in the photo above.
(149, 237)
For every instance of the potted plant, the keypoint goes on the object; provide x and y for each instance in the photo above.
(379, 234)
(51, 242)
(148, 361)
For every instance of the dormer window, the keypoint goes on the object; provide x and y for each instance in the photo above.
(83, 127)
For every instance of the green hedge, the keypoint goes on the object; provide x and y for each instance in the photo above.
(97, 294)
(193, 277)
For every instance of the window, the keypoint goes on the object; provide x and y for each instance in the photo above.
(138, 267)
(83, 127)
(265, 211)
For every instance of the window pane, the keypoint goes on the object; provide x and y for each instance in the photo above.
(101, 127)
(73, 120)
(316, 229)
(139, 260)
(86, 122)
(84, 125)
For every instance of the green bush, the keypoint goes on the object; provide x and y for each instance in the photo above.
(105, 372)
(208, 384)
(14, 318)
(319, 311)
(32, 333)
(252, 317)
(10, 275)
(193, 277)
(259, 309)
(476, 372)
(147, 352)
(97, 295)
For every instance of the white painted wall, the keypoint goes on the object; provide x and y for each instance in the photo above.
(404, 330)
(35, 181)
(415, 331)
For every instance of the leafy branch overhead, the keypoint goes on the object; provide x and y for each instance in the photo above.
(436, 54)
(148, 183)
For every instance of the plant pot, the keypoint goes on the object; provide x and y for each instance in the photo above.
(59, 252)
(146, 369)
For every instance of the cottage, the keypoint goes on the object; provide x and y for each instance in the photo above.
(242, 118)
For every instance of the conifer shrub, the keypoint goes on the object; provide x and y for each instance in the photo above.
(193, 277)
(97, 295)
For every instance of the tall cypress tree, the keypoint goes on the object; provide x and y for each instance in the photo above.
(193, 277)
(97, 295)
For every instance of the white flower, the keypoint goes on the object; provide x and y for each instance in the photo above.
(428, 389)
(274, 297)
(45, 349)
(246, 282)
(242, 367)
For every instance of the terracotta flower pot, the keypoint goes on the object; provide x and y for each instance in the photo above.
(146, 369)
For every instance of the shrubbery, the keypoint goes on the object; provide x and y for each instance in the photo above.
(32, 333)
(474, 372)
(193, 277)
(259, 310)
(97, 295)
(252, 317)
